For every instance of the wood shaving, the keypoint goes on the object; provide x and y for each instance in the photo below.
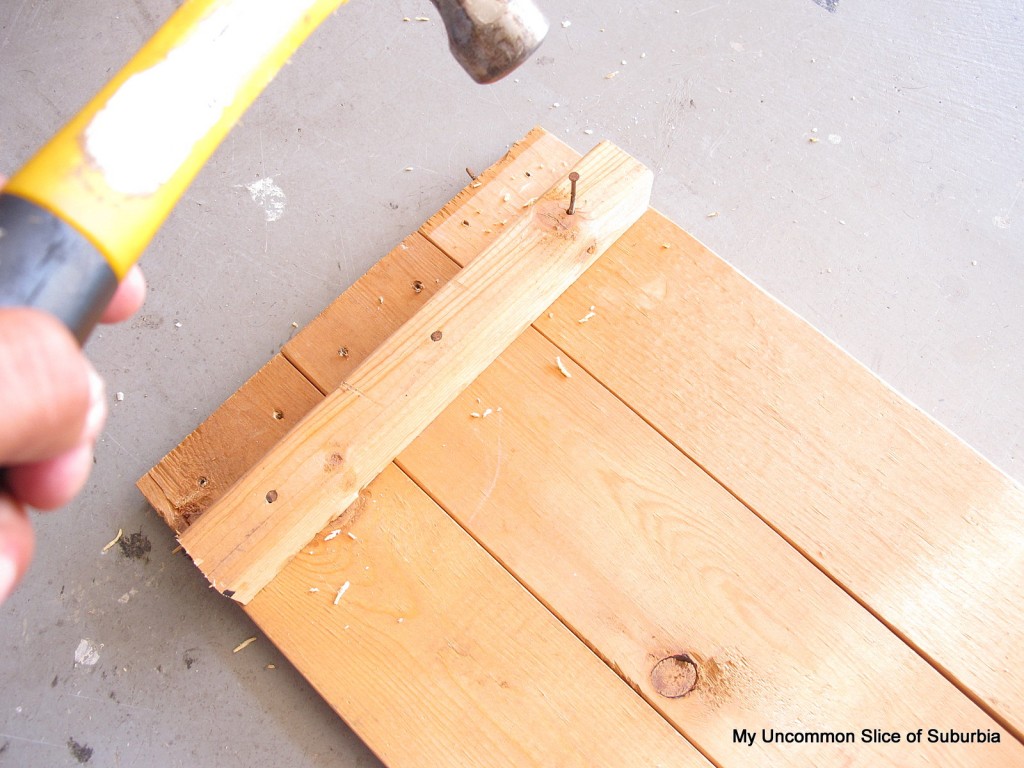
(422, 18)
(342, 591)
(488, 412)
(610, 75)
(314, 589)
(476, 184)
(119, 397)
(271, 666)
(113, 541)
(586, 317)
(476, 415)
(712, 215)
(506, 197)
(529, 202)
(380, 299)
(333, 534)
(666, 246)
(351, 536)
(813, 140)
(244, 644)
(561, 367)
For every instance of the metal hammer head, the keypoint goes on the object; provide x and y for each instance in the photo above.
(490, 38)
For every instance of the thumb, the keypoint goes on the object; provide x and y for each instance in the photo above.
(45, 383)
(16, 544)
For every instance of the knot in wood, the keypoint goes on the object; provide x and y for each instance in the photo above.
(674, 676)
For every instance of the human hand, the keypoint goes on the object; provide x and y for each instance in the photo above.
(54, 407)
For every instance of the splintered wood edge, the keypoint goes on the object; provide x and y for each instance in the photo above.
(317, 470)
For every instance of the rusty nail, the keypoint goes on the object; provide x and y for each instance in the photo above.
(573, 178)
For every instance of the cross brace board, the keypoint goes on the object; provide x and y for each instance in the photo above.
(717, 502)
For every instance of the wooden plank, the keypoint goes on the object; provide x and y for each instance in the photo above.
(435, 656)
(528, 151)
(646, 557)
(526, 173)
(352, 326)
(724, 372)
(181, 486)
(317, 470)
(567, 312)
(355, 322)
(435, 688)
(907, 518)
(472, 640)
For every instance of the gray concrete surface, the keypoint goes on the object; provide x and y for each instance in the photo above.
(899, 234)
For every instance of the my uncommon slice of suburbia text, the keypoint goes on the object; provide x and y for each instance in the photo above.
(866, 736)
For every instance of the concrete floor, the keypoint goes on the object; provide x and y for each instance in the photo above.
(899, 233)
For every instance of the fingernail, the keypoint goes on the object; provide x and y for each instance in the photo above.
(8, 577)
(97, 414)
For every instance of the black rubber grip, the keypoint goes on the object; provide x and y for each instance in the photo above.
(47, 264)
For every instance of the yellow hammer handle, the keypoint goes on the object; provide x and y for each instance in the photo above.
(116, 170)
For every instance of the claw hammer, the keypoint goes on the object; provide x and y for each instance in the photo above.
(80, 212)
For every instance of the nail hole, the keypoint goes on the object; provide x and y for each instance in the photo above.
(435, 336)
(271, 497)
(417, 286)
(203, 482)
(674, 676)
(278, 415)
(343, 352)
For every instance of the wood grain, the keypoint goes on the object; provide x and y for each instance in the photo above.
(316, 471)
(437, 657)
(237, 435)
(907, 518)
(771, 637)
(914, 524)
(646, 557)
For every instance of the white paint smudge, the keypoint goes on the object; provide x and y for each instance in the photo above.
(1003, 222)
(266, 194)
(86, 653)
(835, 138)
(152, 123)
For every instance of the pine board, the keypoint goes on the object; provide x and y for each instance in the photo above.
(319, 467)
(766, 648)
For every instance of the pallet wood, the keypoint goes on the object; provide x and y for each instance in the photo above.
(636, 549)
(741, 372)
(317, 470)
(702, 634)
(436, 656)
(232, 439)
(912, 522)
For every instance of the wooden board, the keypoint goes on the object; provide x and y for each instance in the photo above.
(320, 466)
(641, 553)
